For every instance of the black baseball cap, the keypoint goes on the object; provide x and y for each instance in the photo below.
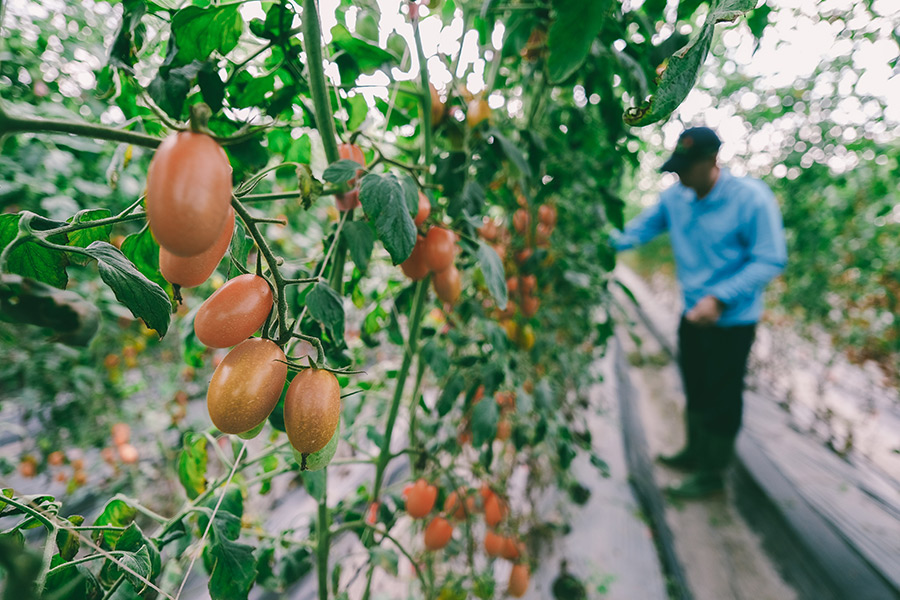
(694, 144)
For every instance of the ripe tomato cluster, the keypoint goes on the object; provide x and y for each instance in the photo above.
(460, 505)
(190, 214)
(434, 253)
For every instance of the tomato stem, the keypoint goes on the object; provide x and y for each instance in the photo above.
(199, 120)
(323, 539)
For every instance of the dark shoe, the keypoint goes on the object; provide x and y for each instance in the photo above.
(684, 460)
(699, 485)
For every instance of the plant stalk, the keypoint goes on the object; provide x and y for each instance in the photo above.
(323, 541)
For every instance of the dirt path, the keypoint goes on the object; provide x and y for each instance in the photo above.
(722, 556)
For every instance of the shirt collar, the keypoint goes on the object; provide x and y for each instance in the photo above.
(715, 193)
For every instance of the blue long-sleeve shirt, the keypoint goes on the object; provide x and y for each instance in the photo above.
(729, 244)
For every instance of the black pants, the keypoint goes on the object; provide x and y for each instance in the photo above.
(713, 361)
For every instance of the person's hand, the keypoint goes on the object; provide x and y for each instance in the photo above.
(706, 312)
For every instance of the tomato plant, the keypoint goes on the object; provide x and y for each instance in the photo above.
(488, 196)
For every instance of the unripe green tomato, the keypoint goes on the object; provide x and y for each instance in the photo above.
(322, 458)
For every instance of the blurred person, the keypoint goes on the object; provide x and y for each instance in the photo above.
(728, 242)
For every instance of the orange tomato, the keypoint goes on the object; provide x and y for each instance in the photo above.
(477, 112)
(504, 429)
(512, 285)
(128, 454)
(493, 543)
(193, 271)
(246, 386)
(488, 230)
(529, 284)
(547, 214)
(447, 285)
(440, 248)
(494, 510)
(56, 459)
(518, 581)
(438, 533)
(188, 193)
(510, 550)
(529, 306)
(234, 311)
(121, 433)
(521, 220)
(414, 267)
(420, 499)
(312, 409)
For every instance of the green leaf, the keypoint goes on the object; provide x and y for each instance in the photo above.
(385, 558)
(358, 110)
(139, 563)
(134, 540)
(29, 259)
(341, 171)
(484, 422)
(82, 238)
(575, 27)
(512, 153)
(141, 249)
(355, 56)
(314, 482)
(683, 68)
(192, 465)
(326, 307)
(361, 241)
(67, 541)
(494, 274)
(70, 582)
(202, 31)
(241, 244)
(117, 513)
(452, 389)
(74, 320)
(211, 86)
(169, 89)
(383, 199)
(145, 299)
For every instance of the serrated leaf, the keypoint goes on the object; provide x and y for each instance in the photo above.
(202, 31)
(29, 259)
(484, 422)
(436, 357)
(383, 200)
(145, 299)
(361, 241)
(683, 68)
(82, 238)
(326, 307)
(314, 482)
(169, 89)
(192, 465)
(494, 274)
(341, 171)
(575, 27)
(410, 193)
(240, 246)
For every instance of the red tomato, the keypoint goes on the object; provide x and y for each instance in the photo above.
(494, 510)
(547, 214)
(234, 311)
(521, 220)
(188, 193)
(457, 508)
(440, 248)
(192, 271)
(530, 306)
(424, 209)
(420, 499)
(246, 386)
(414, 267)
(121, 434)
(447, 285)
(493, 543)
(350, 200)
(438, 533)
